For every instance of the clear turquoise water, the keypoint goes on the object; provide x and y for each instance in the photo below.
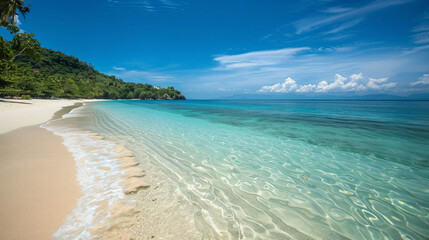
(277, 169)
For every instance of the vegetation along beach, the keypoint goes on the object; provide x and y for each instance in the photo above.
(214, 120)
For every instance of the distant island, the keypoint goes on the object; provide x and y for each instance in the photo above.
(57, 75)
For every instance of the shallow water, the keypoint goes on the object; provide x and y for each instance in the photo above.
(276, 169)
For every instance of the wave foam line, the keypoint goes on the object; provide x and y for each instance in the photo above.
(106, 172)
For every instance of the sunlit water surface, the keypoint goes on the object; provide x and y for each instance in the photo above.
(277, 169)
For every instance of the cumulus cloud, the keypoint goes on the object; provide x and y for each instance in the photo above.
(253, 69)
(340, 84)
(422, 80)
(355, 83)
(306, 88)
(287, 86)
(356, 77)
(374, 83)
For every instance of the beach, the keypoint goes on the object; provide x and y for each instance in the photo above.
(17, 113)
(58, 181)
(198, 170)
(38, 184)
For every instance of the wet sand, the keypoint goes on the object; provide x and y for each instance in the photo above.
(38, 185)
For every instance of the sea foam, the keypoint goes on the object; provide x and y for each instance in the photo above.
(106, 172)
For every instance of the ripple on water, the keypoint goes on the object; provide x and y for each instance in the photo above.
(246, 182)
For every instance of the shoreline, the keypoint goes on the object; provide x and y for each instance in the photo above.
(50, 182)
(38, 181)
(38, 184)
(17, 113)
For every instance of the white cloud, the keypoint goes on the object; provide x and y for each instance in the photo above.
(340, 84)
(421, 31)
(336, 10)
(17, 22)
(420, 28)
(306, 88)
(169, 4)
(356, 77)
(422, 80)
(361, 87)
(415, 50)
(311, 66)
(373, 83)
(422, 37)
(257, 58)
(345, 26)
(309, 24)
(287, 86)
(119, 68)
(149, 6)
(141, 76)
(354, 85)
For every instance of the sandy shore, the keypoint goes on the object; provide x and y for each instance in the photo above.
(38, 185)
(16, 114)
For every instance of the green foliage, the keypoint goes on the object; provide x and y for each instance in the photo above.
(25, 97)
(54, 74)
(6, 52)
(10, 27)
(25, 44)
(22, 44)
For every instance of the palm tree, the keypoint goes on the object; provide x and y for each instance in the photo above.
(10, 9)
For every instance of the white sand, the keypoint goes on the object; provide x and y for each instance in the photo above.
(16, 113)
(38, 185)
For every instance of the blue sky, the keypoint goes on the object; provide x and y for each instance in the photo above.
(212, 49)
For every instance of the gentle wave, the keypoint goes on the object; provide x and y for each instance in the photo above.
(244, 183)
(221, 176)
(105, 172)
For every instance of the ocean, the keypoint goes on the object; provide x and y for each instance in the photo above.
(254, 169)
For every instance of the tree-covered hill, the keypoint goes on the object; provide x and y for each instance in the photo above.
(55, 74)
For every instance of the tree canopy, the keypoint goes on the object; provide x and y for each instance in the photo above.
(54, 74)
